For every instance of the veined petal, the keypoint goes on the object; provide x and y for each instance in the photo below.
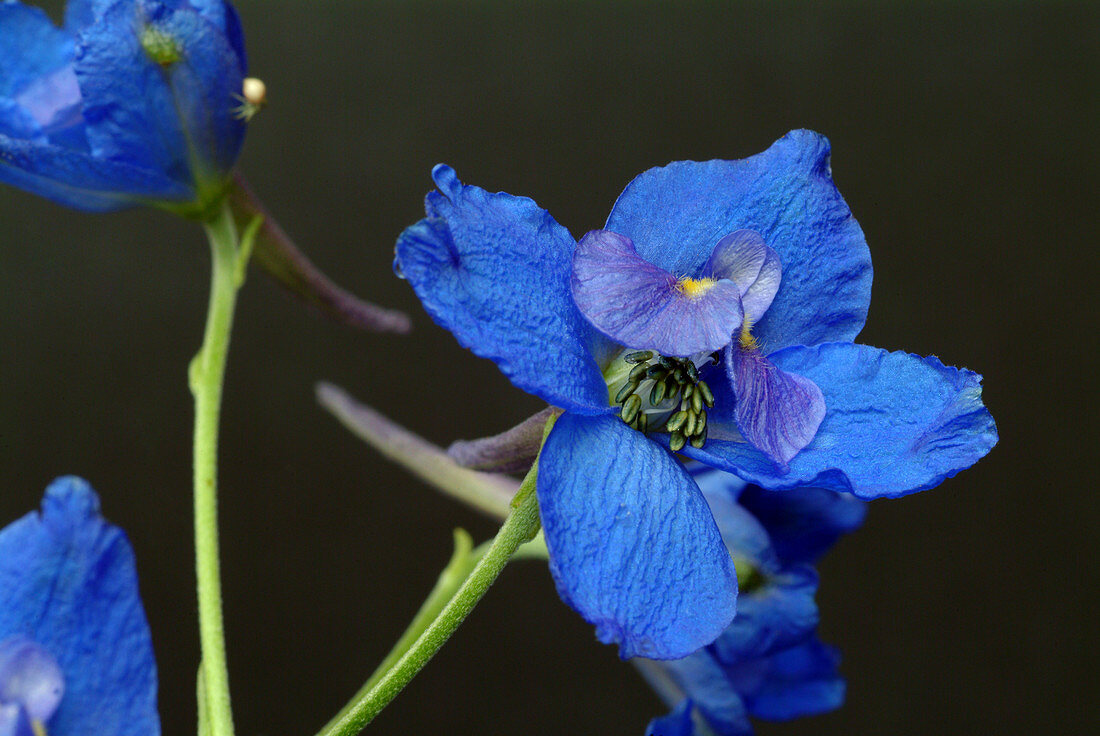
(633, 546)
(675, 215)
(895, 423)
(494, 270)
(639, 305)
(777, 411)
(189, 102)
(67, 582)
(78, 180)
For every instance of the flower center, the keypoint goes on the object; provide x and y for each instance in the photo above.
(745, 339)
(695, 288)
(659, 393)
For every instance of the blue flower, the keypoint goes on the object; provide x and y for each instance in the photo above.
(769, 663)
(714, 315)
(129, 102)
(75, 651)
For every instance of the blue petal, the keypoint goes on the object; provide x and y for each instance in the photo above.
(78, 180)
(16, 122)
(676, 214)
(676, 723)
(633, 547)
(705, 682)
(177, 119)
(67, 581)
(774, 616)
(33, 47)
(80, 13)
(743, 535)
(777, 411)
(641, 306)
(895, 423)
(803, 522)
(494, 269)
(800, 681)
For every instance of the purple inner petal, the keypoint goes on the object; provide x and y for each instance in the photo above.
(14, 720)
(777, 412)
(744, 258)
(30, 676)
(642, 306)
(756, 300)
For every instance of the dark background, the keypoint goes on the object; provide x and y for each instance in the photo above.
(964, 141)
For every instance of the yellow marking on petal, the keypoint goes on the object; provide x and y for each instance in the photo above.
(747, 341)
(38, 727)
(695, 288)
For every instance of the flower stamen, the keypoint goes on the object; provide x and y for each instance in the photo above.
(677, 398)
(695, 288)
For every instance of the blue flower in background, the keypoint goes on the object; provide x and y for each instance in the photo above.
(129, 102)
(769, 663)
(75, 652)
(714, 314)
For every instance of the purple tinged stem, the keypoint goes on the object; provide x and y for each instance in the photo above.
(511, 451)
(277, 254)
(491, 494)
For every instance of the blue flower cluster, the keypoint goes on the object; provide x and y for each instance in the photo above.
(769, 663)
(129, 102)
(713, 316)
(76, 656)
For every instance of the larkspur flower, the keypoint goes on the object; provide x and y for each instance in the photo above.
(714, 314)
(76, 657)
(129, 102)
(769, 663)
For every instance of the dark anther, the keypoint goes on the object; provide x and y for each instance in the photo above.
(657, 395)
(708, 397)
(697, 402)
(637, 373)
(628, 388)
(689, 424)
(676, 441)
(675, 381)
(631, 407)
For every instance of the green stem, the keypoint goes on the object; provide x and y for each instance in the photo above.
(435, 622)
(207, 375)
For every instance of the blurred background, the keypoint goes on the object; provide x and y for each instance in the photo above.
(964, 141)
